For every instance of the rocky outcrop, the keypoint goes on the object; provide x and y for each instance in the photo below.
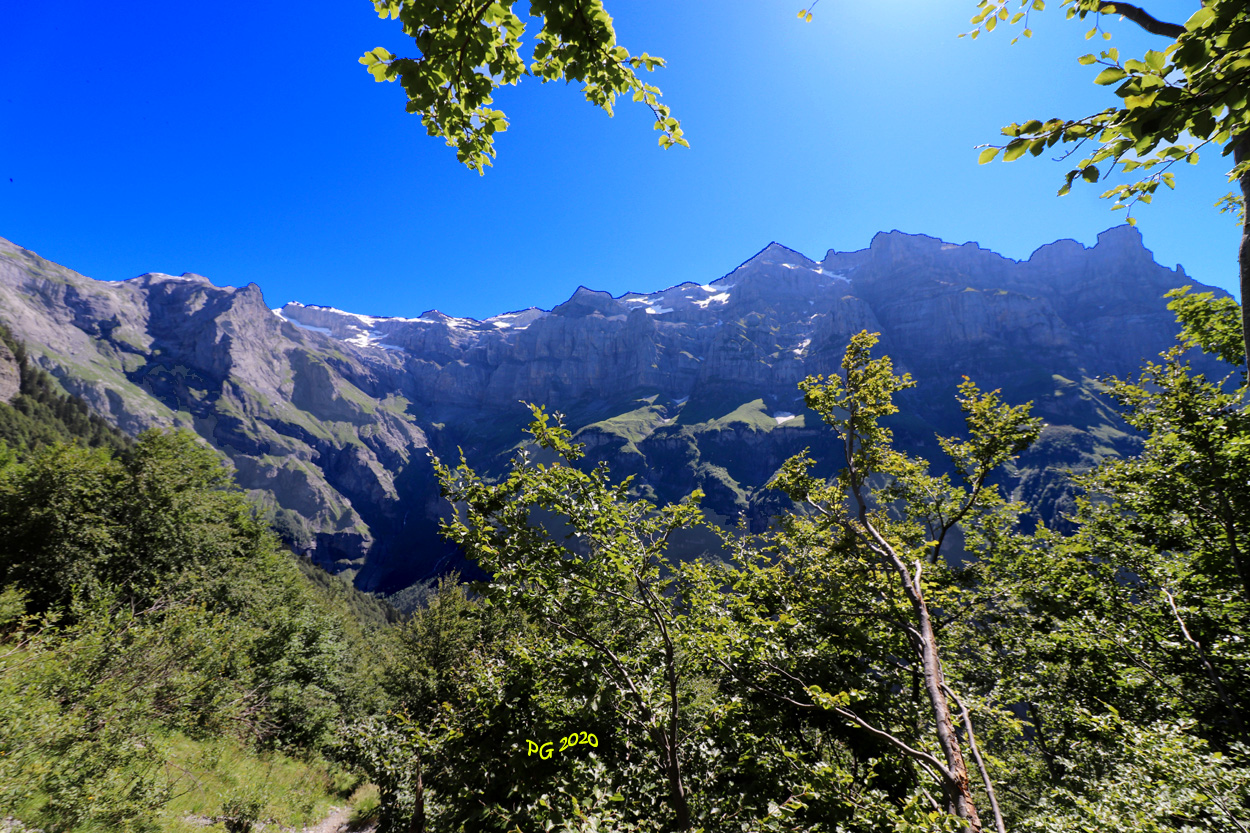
(331, 417)
(10, 374)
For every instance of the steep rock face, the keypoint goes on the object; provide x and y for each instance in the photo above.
(292, 412)
(330, 417)
(10, 374)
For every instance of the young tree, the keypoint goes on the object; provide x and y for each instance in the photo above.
(1174, 101)
(861, 579)
(602, 587)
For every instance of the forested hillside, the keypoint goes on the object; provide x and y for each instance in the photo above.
(34, 412)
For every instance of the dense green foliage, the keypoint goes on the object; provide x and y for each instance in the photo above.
(142, 597)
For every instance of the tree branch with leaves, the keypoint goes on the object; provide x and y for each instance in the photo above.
(468, 49)
(1173, 102)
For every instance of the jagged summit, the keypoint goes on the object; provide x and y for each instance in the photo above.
(149, 278)
(1122, 239)
(590, 302)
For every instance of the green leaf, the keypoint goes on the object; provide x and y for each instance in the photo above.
(987, 155)
(1110, 75)
(1015, 149)
(1200, 18)
(1086, 60)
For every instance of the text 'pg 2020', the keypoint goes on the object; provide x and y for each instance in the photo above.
(546, 750)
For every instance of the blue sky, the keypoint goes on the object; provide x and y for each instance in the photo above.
(244, 142)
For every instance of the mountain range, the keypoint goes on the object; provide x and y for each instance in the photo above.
(332, 418)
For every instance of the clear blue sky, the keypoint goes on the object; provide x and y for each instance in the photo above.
(244, 142)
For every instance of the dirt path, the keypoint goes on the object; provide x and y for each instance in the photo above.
(336, 822)
(333, 823)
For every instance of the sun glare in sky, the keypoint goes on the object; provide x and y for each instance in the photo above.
(254, 147)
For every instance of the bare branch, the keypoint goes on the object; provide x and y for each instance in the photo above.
(914, 754)
(1142, 18)
(976, 754)
(1228, 814)
(770, 692)
(1212, 674)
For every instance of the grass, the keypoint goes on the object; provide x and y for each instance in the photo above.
(138, 401)
(207, 773)
(753, 414)
(365, 807)
(204, 775)
(398, 405)
(355, 395)
(631, 426)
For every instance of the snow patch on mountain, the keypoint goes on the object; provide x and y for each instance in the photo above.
(719, 298)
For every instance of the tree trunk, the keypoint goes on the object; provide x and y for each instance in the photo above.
(958, 787)
(418, 816)
(672, 773)
(1241, 152)
(960, 791)
(677, 791)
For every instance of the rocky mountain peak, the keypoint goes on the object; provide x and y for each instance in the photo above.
(1121, 244)
(149, 278)
(590, 302)
(776, 253)
(1122, 237)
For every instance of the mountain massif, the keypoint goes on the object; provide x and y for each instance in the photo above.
(331, 418)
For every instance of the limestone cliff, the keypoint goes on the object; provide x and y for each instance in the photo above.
(330, 417)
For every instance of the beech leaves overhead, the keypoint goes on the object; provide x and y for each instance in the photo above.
(467, 50)
(1173, 103)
